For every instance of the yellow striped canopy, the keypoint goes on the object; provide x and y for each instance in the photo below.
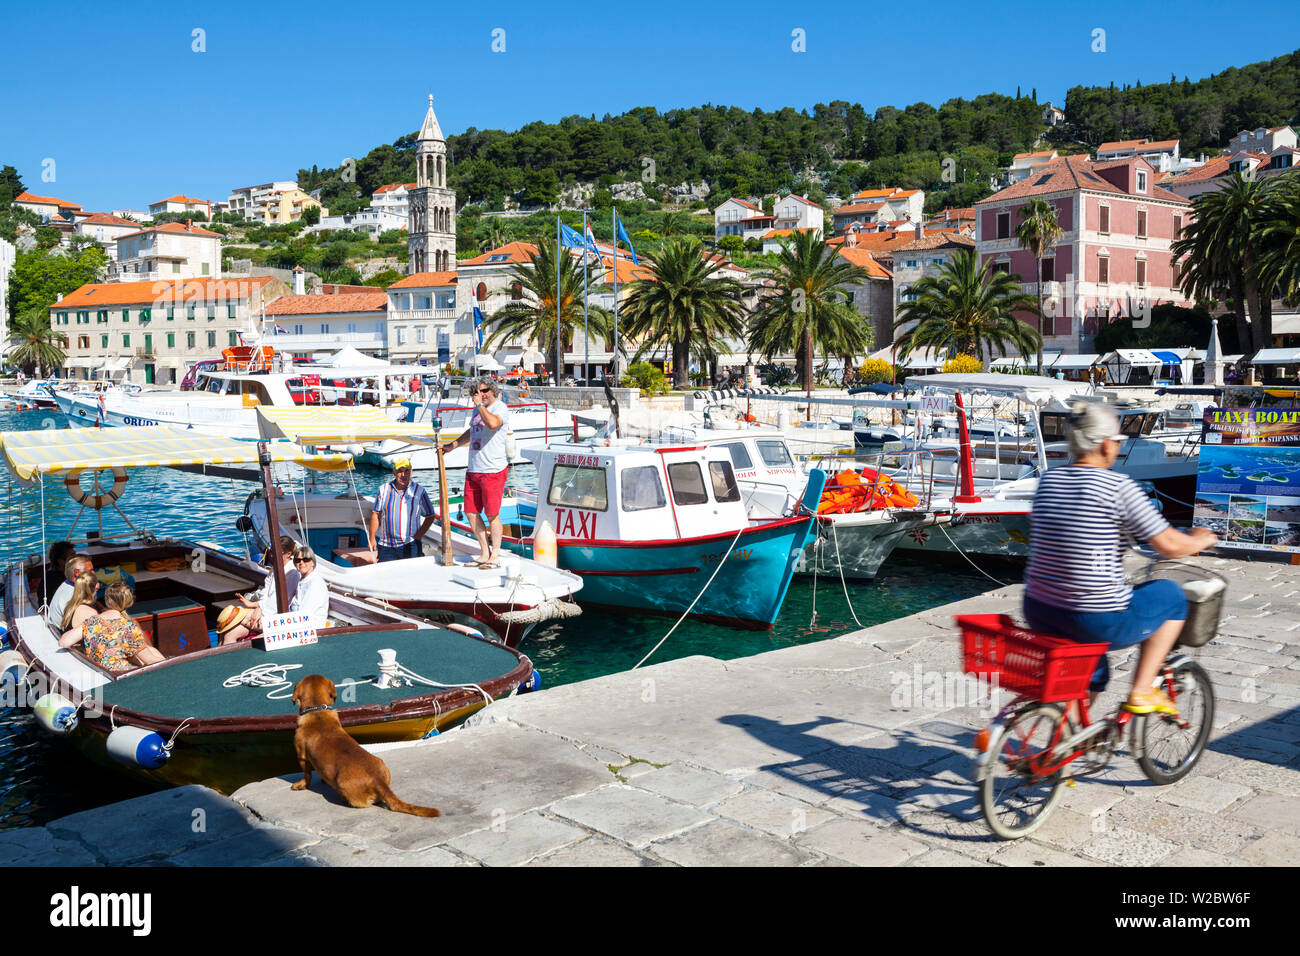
(49, 452)
(320, 426)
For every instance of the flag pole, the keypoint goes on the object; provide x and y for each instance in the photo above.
(558, 378)
(614, 238)
(586, 342)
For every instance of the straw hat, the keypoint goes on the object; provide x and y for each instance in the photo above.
(231, 616)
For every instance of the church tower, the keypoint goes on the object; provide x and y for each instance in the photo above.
(431, 230)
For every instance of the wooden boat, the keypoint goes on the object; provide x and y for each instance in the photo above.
(208, 714)
(646, 529)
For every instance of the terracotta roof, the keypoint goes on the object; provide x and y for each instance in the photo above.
(46, 201)
(1044, 152)
(515, 252)
(891, 192)
(391, 186)
(863, 258)
(375, 301)
(178, 291)
(1068, 173)
(627, 272)
(940, 240)
(181, 199)
(777, 233)
(859, 207)
(108, 219)
(761, 218)
(748, 205)
(426, 280)
(1213, 167)
(801, 199)
(176, 228)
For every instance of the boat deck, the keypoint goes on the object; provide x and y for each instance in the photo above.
(196, 683)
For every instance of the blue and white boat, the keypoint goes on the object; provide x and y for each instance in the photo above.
(661, 529)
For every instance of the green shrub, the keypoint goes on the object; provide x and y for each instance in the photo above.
(649, 378)
(731, 243)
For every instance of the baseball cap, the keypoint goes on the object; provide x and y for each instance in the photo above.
(401, 463)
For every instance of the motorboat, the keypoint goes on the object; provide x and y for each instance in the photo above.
(220, 715)
(659, 528)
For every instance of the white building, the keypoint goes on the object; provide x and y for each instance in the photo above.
(1023, 165)
(870, 206)
(181, 204)
(1263, 140)
(139, 215)
(275, 203)
(173, 250)
(310, 324)
(424, 321)
(739, 217)
(372, 221)
(47, 207)
(394, 198)
(106, 229)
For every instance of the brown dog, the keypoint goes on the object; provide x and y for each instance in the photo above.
(322, 744)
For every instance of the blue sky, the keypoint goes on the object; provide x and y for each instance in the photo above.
(129, 113)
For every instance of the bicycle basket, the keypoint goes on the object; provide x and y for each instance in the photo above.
(1029, 663)
(1204, 591)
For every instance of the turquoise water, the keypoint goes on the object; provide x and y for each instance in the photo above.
(40, 780)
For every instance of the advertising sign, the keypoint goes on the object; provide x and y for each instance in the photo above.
(1248, 479)
(292, 629)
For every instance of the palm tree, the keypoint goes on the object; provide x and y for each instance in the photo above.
(531, 317)
(1038, 232)
(32, 342)
(495, 237)
(686, 304)
(809, 301)
(965, 306)
(1279, 256)
(672, 222)
(1219, 249)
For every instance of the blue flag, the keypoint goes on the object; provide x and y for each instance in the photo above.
(622, 234)
(478, 318)
(570, 238)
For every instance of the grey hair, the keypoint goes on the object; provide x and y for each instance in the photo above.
(304, 553)
(487, 381)
(1090, 424)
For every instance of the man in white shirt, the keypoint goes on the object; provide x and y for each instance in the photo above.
(74, 566)
(485, 475)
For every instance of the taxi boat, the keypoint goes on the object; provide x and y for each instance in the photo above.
(662, 529)
(220, 715)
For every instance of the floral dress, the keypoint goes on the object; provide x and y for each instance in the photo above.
(112, 642)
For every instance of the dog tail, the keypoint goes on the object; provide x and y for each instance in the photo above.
(394, 802)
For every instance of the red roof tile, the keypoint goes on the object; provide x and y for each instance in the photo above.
(108, 219)
(515, 252)
(863, 258)
(176, 228)
(391, 186)
(207, 289)
(181, 199)
(1068, 173)
(374, 301)
(46, 201)
(426, 280)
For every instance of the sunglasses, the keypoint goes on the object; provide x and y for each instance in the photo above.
(303, 560)
(485, 391)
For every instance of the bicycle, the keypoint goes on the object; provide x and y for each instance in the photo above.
(1023, 755)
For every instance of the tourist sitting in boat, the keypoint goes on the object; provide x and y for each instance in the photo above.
(73, 568)
(262, 603)
(235, 623)
(114, 641)
(312, 597)
(485, 473)
(56, 560)
(1074, 583)
(80, 610)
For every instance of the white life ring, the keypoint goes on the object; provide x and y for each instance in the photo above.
(73, 485)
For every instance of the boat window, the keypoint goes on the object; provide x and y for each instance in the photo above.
(575, 486)
(258, 390)
(739, 455)
(724, 482)
(687, 482)
(775, 454)
(1054, 426)
(1131, 425)
(641, 488)
(214, 385)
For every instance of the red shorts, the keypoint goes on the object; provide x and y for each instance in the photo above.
(483, 492)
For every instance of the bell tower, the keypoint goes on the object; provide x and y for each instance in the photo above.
(431, 231)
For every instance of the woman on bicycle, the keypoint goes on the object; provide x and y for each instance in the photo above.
(1074, 584)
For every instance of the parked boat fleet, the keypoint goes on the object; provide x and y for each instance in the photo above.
(708, 516)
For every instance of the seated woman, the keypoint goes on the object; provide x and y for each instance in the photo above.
(81, 609)
(312, 597)
(237, 623)
(112, 640)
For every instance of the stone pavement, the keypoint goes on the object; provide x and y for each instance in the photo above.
(854, 750)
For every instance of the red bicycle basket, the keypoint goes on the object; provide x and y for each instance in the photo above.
(1026, 662)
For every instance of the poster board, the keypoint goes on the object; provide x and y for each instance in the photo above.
(1248, 478)
(292, 629)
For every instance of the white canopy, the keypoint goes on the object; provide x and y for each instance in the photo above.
(1025, 361)
(350, 357)
(487, 363)
(1034, 389)
(1139, 358)
(1276, 357)
(1076, 361)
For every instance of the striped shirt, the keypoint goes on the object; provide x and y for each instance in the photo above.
(400, 513)
(1076, 540)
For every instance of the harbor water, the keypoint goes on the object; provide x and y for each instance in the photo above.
(41, 780)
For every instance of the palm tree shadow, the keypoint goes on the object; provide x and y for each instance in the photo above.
(922, 782)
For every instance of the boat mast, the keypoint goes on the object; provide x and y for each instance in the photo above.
(273, 522)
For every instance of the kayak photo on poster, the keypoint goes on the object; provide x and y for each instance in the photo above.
(1248, 479)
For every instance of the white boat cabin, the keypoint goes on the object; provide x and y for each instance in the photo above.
(637, 492)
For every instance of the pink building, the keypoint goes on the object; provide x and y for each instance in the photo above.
(1113, 260)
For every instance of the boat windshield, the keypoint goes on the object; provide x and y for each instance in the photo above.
(578, 486)
(724, 482)
(687, 482)
(641, 488)
(775, 454)
(739, 455)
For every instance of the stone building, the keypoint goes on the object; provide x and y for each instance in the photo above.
(432, 229)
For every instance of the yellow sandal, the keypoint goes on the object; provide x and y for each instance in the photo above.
(1154, 702)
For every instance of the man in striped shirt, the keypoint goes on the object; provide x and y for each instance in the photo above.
(396, 525)
(1075, 585)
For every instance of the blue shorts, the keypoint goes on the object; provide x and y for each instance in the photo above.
(409, 550)
(1152, 604)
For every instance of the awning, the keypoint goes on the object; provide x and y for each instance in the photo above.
(1167, 357)
(1034, 389)
(1286, 323)
(47, 452)
(1276, 357)
(350, 357)
(1137, 357)
(318, 426)
(1071, 362)
(170, 362)
(81, 363)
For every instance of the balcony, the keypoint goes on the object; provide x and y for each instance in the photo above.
(299, 342)
(425, 315)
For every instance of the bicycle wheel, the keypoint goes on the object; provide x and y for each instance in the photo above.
(1171, 746)
(1014, 799)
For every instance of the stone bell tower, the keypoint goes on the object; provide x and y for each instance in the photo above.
(431, 230)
